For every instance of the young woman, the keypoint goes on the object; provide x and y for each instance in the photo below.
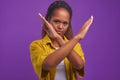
(58, 55)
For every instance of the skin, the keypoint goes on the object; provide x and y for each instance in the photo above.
(60, 23)
(56, 33)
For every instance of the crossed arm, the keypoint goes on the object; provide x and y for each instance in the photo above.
(66, 48)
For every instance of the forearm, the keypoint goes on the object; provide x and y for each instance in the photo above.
(76, 60)
(73, 57)
(56, 57)
(65, 48)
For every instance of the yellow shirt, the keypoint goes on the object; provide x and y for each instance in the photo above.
(40, 49)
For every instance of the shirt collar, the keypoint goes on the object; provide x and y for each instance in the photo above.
(46, 40)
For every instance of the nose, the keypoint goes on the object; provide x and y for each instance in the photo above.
(60, 26)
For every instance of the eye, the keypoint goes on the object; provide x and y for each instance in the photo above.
(65, 23)
(56, 21)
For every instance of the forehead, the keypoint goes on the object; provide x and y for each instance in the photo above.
(62, 14)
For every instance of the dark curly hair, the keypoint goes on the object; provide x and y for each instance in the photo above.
(55, 5)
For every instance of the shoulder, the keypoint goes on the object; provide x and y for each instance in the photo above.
(38, 46)
(78, 48)
(36, 42)
(78, 45)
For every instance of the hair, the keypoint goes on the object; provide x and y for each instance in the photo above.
(55, 5)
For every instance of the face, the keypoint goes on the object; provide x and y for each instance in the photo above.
(60, 21)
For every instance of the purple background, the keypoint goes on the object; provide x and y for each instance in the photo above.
(20, 25)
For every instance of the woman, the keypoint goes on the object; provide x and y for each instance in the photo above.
(58, 55)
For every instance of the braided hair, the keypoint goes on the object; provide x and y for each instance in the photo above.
(55, 5)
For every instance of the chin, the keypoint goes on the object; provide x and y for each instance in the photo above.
(61, 35)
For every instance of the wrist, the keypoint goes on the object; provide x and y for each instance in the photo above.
(60, 40)
(77, 37)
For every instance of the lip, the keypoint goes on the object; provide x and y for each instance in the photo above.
(59, 32)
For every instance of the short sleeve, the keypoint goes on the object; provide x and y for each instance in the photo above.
(37, 55)
(78, 49)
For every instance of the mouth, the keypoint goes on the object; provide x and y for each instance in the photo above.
(59, 32)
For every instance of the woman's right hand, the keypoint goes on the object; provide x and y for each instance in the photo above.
(49, 29)
(81, 34)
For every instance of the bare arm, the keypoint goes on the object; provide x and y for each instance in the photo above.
(57, 56)
(66, 49)
(72, 56)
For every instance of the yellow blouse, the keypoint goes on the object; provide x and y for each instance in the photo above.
(40, 49)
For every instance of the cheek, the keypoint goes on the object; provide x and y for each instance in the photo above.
(65, 29)
(54, 26)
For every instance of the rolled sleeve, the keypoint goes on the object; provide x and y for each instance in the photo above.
(37, 55)
(79, 50)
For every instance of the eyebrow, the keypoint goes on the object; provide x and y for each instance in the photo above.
(60, 21)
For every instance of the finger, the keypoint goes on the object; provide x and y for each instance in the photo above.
(43, 19)
(88, 22)
(48, 25)
(85, 27)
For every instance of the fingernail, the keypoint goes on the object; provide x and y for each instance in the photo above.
(92, 17)
(39, 14)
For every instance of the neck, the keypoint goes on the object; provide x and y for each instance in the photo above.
(55, 43)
